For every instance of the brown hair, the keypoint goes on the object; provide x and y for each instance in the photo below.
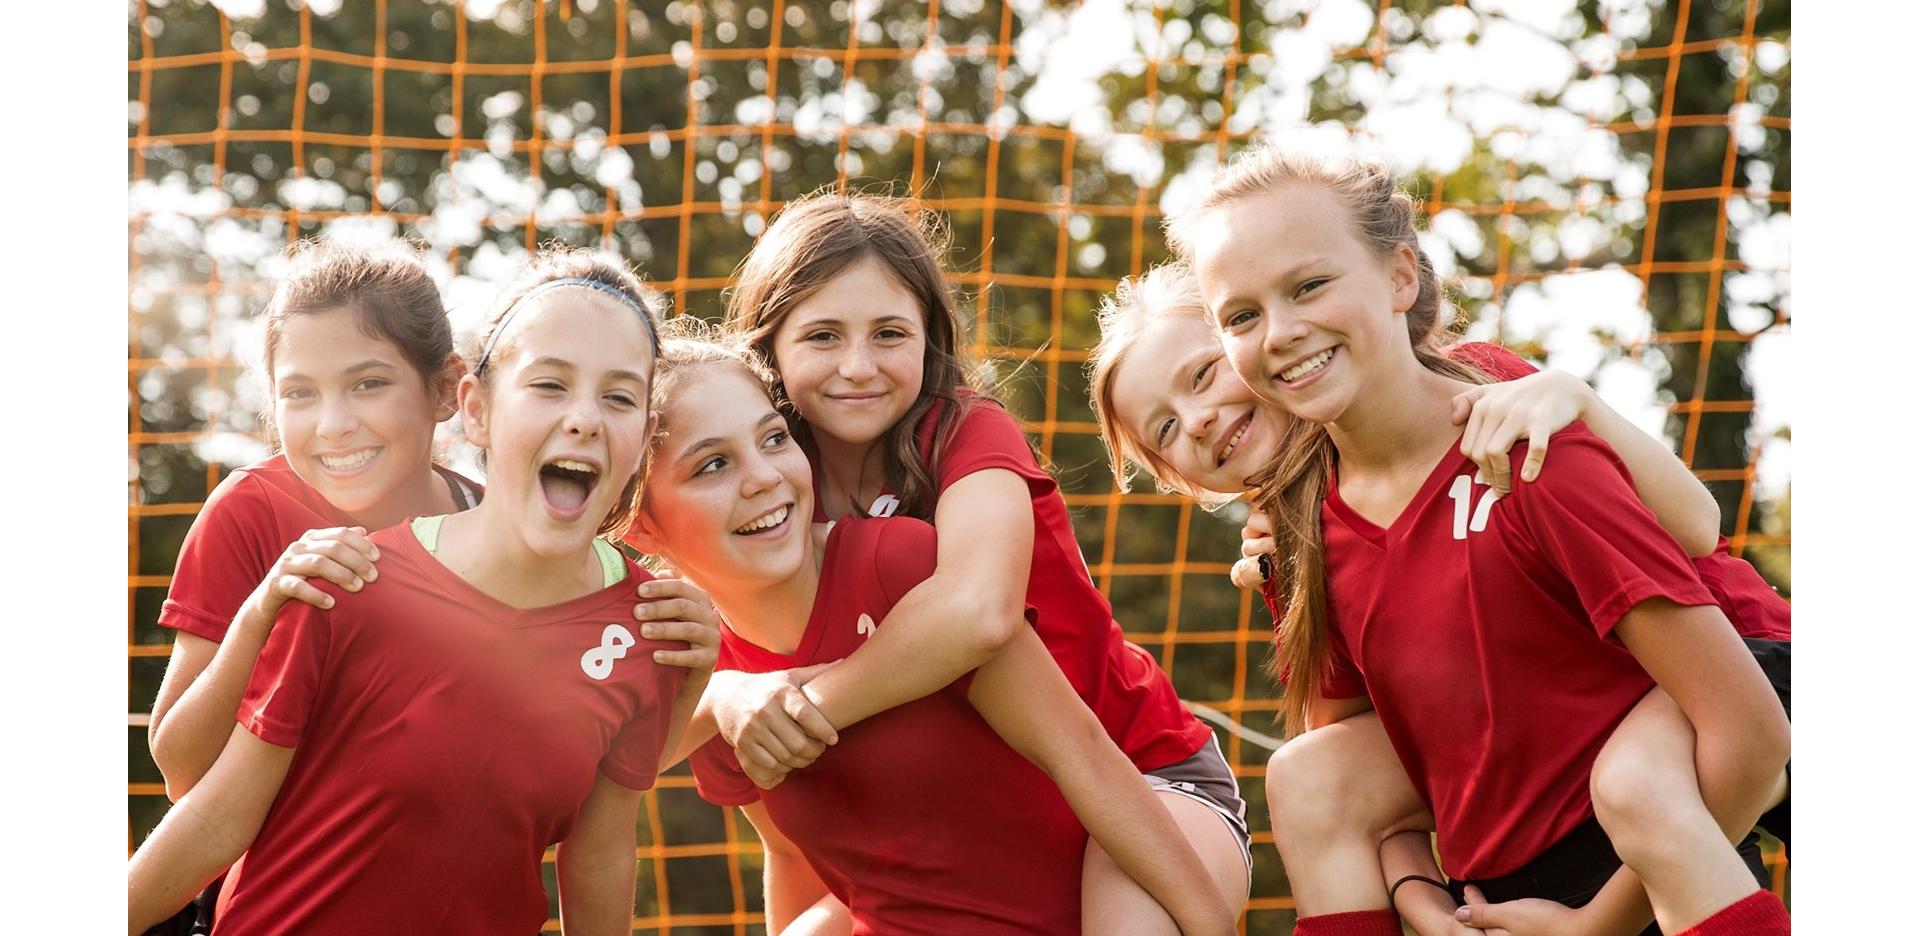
(1293, 486)
(1166, 291)
(815, 239)
(556, 262)
(688, 343)
(388, 289)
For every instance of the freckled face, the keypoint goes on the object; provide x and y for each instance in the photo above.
(852, 355)
(1308, 314)
(1175, 395)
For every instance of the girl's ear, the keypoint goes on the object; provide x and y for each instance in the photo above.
(446, 387)
(1403, 273)
(470, 399)
(642, 534)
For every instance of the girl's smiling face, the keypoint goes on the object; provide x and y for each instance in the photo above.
(563, 416)
(730, 498)
(1175, 395)
(1307, 313)
(852, 356)
(355, 418)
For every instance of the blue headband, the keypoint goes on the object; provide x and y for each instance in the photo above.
(646, 318)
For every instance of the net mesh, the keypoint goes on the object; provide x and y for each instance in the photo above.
(1608, 187)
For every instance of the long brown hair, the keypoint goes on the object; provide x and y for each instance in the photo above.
(1293, 487)
(815, 239)
(556, 262)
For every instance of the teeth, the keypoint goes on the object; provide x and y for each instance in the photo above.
(571, 465)
(765, 523)
(1234, 442)
(1306, 367)
(347, 462)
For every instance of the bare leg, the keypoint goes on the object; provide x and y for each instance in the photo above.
(1111, 902)
(1335, 793)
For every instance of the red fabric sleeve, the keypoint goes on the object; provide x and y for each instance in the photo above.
(1497, 362)
(226, 553)
(718, 778)
(989, 437)
(292, 667)
(1589, 525)
(906, 553)
(633, 759)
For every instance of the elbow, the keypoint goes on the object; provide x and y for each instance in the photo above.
(992, 624)
(1701, 539)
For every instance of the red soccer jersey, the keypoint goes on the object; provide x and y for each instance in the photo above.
(1121, 682)
(1480, 626)
(921, 820)
(1754, 607)
(444, 740)
(247, 522)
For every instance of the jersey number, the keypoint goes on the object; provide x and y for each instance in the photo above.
(1467, 517)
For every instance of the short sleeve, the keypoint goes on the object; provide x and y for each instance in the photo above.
(633, 759)
(1495, 361)
(718, 778)
(907, 552)
(989, 437)
(1591, 527)
(292, 668)
(226, 553)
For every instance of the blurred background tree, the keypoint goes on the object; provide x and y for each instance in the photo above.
(1607, 186)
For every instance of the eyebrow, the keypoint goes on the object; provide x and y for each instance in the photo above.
(566, 365)
(883, 320)
(711, 441)
(366, 365)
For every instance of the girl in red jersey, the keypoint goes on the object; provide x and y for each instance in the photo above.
(360, 362)
(406, 754)
(844, 294)
(1167, 403)
(1502, 640)
(921, 819)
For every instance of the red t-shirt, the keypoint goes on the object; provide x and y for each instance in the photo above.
(246, 524)
(921, 819)
(1754, 607)
(1480, 626)
(1121, 682)
(444, 740)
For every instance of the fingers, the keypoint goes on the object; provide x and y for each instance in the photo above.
(1246, 574)
(1536, 452)
(295, 588)
(686, 659)
(1257, 547)
(672, 609)
(1463, 403)
(802, 710)
(693, 632)
(761, 767)
(1258, 524)
(663, 587)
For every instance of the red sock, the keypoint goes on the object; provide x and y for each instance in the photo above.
(1352, 923)
(1757, 914)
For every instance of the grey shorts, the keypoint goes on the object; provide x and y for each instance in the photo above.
(1205, 778)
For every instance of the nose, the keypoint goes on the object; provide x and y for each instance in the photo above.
(856, 365)
(582, 419)
(758, 474)
(1196, 419)
(337, 419)
(1284, 331)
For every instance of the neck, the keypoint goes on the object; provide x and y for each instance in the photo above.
(422, 495)
(773, 614)
(489, 553)
(850, 475)
(1398, 422)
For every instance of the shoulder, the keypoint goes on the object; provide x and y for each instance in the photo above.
(1582, 468)
(896, 552)
(246, 497)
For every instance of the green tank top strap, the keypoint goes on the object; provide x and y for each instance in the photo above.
(613, 565)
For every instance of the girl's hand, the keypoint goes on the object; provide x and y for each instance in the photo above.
(341, 555)
(1499, 415)
(1256, 540)
(1527, 917)
(673, 608)
(772, 726)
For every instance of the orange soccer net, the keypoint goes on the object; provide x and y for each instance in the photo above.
(1649, 148)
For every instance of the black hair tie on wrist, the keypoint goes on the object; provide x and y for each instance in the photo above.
(1265, 562)
(1415, 877)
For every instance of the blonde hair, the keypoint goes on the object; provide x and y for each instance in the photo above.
(1293, 486)
(1136, 304)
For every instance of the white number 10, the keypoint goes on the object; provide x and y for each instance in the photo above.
(1462, 493)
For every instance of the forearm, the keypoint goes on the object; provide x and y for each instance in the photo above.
(596, 884)
(1027, 701)
(190, 734)
(1683, 505)
(1428, 909)
(692, 720)
(189, 848)
(938, 632)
